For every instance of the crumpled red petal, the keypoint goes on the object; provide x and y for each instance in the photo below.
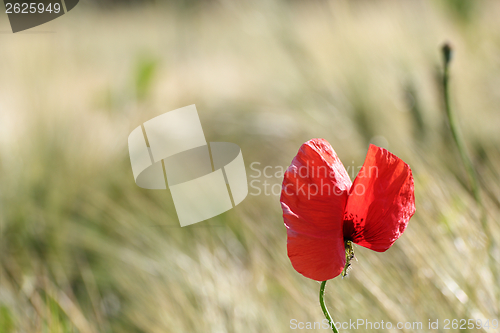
(381, 201)
(313, 199)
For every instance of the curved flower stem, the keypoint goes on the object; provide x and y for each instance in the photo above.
(323, 307)
(457, 138)
(469, 167)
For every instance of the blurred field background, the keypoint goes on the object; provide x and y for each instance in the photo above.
(83, 249)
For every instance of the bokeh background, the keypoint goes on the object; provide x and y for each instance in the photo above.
(83, 249)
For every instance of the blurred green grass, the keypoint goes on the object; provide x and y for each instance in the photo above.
(83, 249)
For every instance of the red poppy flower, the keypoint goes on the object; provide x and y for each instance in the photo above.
(322, 208)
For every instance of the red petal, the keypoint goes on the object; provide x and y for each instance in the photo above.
(381, 201)
(313, 199)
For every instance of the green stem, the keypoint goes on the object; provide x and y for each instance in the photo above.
(466, 160)
(323, 307)
(469, 167)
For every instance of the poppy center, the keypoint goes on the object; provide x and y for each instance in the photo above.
(348, 227)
